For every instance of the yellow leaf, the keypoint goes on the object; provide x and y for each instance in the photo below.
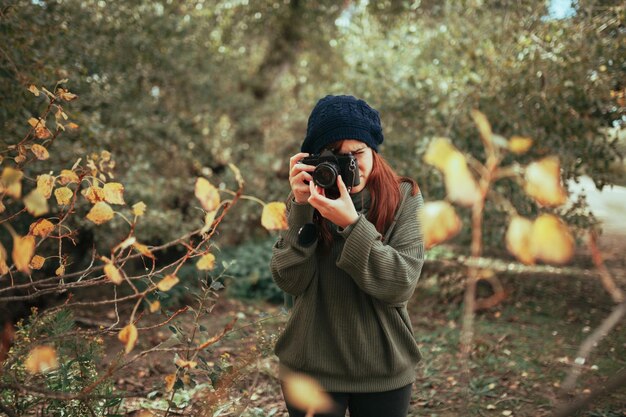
(37, 262)
(208, 221)
(305, 393)
(45, 183)
(41, 228)
(206, 262)
(438, 152)
(460, 183)
(170, 380)
(100, 213)
(36, 204)
(519, 144)
(139, 209)
(114, 193)
(4, 268)
(483, 126)
(67, 176)
(543, 182)
(168, 282)
(40, 152)
(181, 363)
(72, 125)
(41, 359)
(155, 306)
(34, 122)
(64, 196)
(143, 249)
(66, 95)
(551, 240)
(113, 274)
(41, 131)
(126, 243)
(94, 194)
(274, 216)
(440, 223)
(518, 237)
(2, 207)
(60, 270)
(11, 182)
(128, 336)
(23, 251)
(33, 90)
(208, 195)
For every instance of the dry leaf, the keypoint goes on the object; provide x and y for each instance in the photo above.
(41, 359)
(143, 249)
(438, 152)
(23, 251)
(274, 216)
(41, 132)
(519, 144)
(41, 228)
(139, 209)
(181, 363)
(206, 262)
(68, 176)
(209, 218)
(518, 236)
(11, 182)
(33, 90)
(114, 193)
(460, 183)
(170, 380)
(168, 282)
(128, 336)
(155, 306)
(94, 194)
(45, 183)
(64, 196)
(126, 243)
(208, 195)
(440, 223)
(36, 204)
(66, 95)
(37, 262)
(305, 393)
(40, 152)
(100, 213)
(4, 268)
(113, 274)
(543, 182)
(72, 125)
(60, 270)
(483, 127)
(551, 240)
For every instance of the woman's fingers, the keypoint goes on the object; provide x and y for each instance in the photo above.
(294, 159)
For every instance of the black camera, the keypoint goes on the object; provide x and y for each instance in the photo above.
(328, 166)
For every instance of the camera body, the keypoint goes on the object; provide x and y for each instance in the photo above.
(328, 166)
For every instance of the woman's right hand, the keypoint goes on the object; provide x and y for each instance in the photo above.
(299, 178)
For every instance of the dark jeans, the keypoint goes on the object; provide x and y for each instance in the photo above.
(393, 403)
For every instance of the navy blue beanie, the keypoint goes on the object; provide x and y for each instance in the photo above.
(342, 117)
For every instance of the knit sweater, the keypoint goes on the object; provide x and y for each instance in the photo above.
(349, 327)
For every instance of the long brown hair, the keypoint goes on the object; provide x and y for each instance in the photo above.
(384, 187)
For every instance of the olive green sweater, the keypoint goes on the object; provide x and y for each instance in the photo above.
(349, 327)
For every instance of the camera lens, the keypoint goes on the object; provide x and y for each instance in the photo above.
(325, 175)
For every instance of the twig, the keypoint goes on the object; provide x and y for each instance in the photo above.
(605, 276)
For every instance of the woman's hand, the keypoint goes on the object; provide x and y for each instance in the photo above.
(299, 176)
(340, 211)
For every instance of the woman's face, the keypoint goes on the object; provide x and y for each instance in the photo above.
(363, 155)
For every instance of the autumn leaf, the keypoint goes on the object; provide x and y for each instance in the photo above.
(551, 240)
(41, 228)
(94, 194)
(209, 218)
(64, 196)
(170, 380)
(41, 359)
(45, 183)
(440, 223)
(100, 213)
(518, 237)
(41, 132)
(33, 89)
(461, 186)
(60, 270)
(274, 216)
(128, 336)
(143, 249)
(438, 152)
(11, 182)
(114, 193)
(206, 262)
(72, 125)
(66, 95)
(519, 144)
(168, 282)
(23, 251)
(113, 274)
(155, 306)
(181, 363)
(4, 268)
(36, 204)
(484, 127)
(40, 152)
(139, 209)
(208, 195)
(305, 393)
(36, 262)
(68, 176)
(543, 182)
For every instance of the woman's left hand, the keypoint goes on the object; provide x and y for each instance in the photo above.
(340, 211)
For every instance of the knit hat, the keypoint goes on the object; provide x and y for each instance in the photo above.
(342, 117)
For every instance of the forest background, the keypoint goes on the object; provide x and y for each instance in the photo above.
(177, 90)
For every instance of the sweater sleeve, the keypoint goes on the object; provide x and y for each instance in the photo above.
(293, 266)
(388, 272)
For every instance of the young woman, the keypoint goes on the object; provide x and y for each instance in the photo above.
(353, 276)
